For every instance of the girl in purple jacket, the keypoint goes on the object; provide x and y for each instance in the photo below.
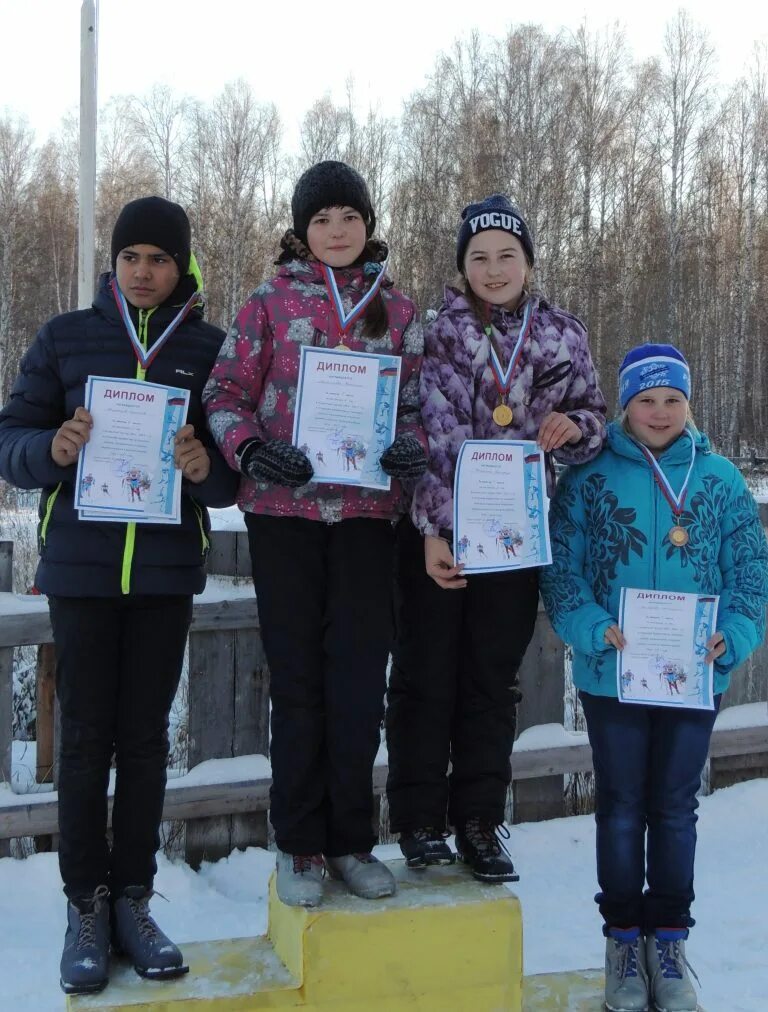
(499, 363)
(321, 553)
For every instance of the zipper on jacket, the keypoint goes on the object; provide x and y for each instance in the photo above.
(47, 515)
(130, 527)
(654, 515)
(203, 535)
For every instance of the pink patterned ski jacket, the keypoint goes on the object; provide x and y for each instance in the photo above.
(251, 391)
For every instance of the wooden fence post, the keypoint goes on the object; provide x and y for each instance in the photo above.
(542, 683)
(45, 729)
(749, 684)
(6, 685)
(45, 720)
(228, 710)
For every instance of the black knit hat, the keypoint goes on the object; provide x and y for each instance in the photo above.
(157, 222)
(330, 184)
(496, 211)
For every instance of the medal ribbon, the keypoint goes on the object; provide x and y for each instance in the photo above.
(347, 320)
(147, 357)
(677, 502)
(503, 377)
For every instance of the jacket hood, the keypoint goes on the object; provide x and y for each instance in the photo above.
(294, 248)
(455, 301)
(192, 282)
(678, 453)
(296, 262)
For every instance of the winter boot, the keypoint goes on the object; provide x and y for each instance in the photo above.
(423, 847)
(479, 846)
(671, 987)
(626, 977)
(364, 875)
(136, 935)
(85, 959)
(299, 881)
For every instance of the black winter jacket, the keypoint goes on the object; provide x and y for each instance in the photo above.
(89, 558)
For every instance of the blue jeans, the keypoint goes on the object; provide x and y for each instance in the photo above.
(648, 762)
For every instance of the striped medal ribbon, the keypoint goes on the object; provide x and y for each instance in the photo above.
(678, 535)
(347, 320)
(146, 357)
(502, 413)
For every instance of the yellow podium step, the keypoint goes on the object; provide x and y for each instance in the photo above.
(235, 974)
(443, 942)
(575, 991)
(579, 991)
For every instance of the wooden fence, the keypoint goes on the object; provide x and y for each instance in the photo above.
(228, 717)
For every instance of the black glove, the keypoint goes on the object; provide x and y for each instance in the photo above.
(275, 461)
(405, 458)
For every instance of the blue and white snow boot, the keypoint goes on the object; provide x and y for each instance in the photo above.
(671, 987)
(626, 977)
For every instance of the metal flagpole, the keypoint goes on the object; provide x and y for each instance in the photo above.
(89, 46)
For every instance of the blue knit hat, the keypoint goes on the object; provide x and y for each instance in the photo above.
(653, 365)
(496, 211)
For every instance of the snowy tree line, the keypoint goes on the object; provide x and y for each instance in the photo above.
(645, 184)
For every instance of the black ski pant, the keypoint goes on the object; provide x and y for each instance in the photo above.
(453, 690)
(118, 664)
(324, 594)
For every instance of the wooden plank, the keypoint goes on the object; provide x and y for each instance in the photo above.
(243, 555)
(734, 741)
(542, 685)
(6, 712)
(29, 628)
(749, 682)
(6, 684)
(239, 613)
(27, 817)
(222, 557)
(30, 815)
(211, 691)
(229, 554)
(250, 728)
(244, 719)
(727, 771)
(44, 721)
(241, 702)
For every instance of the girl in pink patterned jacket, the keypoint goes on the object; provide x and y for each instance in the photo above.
(321, 553)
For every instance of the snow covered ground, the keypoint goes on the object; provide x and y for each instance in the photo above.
(556, 859)
(561, 925)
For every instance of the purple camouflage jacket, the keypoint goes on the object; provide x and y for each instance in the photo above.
(251, 391)
(458, 392)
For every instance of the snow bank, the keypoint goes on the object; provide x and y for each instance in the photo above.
(561, 923)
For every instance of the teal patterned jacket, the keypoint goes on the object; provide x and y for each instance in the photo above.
(609, 524)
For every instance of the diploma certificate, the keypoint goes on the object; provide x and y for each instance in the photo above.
(126, 471)
(663, 661)
(500, 506)
(346, 412)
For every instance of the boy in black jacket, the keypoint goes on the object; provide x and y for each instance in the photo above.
(120, 594)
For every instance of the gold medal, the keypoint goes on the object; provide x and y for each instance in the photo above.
(678, 536)
(341, 347)
(502, 415)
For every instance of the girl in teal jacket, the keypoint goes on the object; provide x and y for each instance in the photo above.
(687, 524)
